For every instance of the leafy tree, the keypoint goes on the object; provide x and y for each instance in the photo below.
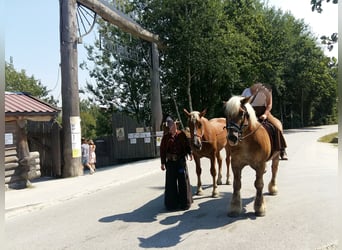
(316, 5)
(88, 112)
(122, 73)
(19, 82)
(213, 49)
(201, 58)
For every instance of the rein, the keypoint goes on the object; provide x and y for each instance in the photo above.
(252, 132)
(201, 136)
(240, 128)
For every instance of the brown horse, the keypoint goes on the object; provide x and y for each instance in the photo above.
(250, 145)
(207, 138)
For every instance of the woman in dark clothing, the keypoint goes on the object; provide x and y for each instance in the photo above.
(174, 149)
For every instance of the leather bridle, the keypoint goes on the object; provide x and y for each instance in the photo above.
(238, 128)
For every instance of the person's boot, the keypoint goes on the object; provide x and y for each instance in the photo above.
(283, 155)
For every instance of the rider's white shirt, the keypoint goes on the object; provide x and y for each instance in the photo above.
(259, 100)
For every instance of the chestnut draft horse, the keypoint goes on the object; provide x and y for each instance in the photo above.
(207, 138)
(250, 145)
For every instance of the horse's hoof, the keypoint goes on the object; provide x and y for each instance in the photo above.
(200, 193)
(228, 182)
(219, 182)
(215, 195)
(274, 193)
(260, 213)
(272, 189)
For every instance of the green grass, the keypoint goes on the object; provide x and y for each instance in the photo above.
(330, 138)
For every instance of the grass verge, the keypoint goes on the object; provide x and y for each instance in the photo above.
(330, 138)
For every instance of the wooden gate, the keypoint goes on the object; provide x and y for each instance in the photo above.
(133, 141)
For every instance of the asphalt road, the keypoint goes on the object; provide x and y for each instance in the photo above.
(130, 215)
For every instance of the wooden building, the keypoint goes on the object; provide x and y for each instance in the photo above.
(22, 164)
(133, 141)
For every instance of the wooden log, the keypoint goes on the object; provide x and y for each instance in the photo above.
(10, 172)
(124, 24)
(10, 151)
(34, 154)
(13, 179)
(12, 158)
(11, 165)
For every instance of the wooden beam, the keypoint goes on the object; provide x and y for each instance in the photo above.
(36, 118)
(114, 18)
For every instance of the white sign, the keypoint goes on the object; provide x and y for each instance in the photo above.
(158, 141)
(8, 138)
(75, 125)
(159, 133)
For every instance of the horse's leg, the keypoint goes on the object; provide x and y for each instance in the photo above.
(227, 164)
(198, 172)
(235, 203)
(272, 186)
(213, 174)
(259, 203)
(219, 163)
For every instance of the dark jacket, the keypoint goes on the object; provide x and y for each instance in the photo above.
(178, 145)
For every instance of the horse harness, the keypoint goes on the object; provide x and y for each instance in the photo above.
(240, 127)
(201, 136)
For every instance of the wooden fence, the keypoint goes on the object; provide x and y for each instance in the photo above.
(45, 138)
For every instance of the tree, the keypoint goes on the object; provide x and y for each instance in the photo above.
(200, 60)
(316, 5)
(214, 49)
(122, 73)
(88, 112)
(19, 82)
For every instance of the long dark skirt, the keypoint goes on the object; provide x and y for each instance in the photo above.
(277, 137)
(178, 194)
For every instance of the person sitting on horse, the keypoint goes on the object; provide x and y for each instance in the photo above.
(262, 104)
(174, 148)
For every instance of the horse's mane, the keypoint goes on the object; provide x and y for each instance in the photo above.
(232, 108)
(195, 115)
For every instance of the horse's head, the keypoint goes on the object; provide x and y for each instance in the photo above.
(239, 115)
(196, 127)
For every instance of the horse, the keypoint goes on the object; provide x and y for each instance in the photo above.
(207, 138)
(250, 145)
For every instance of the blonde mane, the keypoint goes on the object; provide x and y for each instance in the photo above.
(195, 116)
(232, 108)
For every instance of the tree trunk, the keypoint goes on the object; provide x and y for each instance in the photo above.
(189, 88)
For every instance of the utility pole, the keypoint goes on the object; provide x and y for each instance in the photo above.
(155, 90)
(70, 96)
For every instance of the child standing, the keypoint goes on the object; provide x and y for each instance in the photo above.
(92, 155)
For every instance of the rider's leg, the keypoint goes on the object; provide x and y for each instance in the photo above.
(276, 122)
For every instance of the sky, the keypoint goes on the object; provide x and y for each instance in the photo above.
(32, 36)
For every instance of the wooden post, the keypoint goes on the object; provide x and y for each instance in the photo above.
(56, 152)
(70, 96)
(23, 153)
(156, 108)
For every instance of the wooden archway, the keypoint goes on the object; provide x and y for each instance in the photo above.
(69, 72)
